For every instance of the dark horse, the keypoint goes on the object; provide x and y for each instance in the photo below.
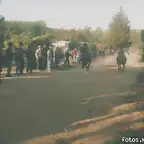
(121, 60)
(121, 64)
(85, 57)
(86, 62)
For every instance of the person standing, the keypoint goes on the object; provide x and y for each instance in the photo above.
(9, 59)
(17, 61)
(86, 56)
(57, 57)
(53, 57)
(44, 58)
(1, 65)
(38, 55)
(75, 52)
(21, 61)
(67, 57)
(49, 59)
(29, 56)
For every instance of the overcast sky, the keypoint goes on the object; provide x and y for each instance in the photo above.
(73, 13)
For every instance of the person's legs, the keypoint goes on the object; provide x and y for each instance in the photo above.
(75, 57)
(44, 67)
(124, 63)
(83, 63)
(117, 60)
(21, 67)
(27, 68)
(68, 62)
(31, 69)
(0, 72)
(55, 63)
(17, 68)
(30, 66)
(9, 68)
(40, 63)
(49, 65)
(58, 63)
(88, 65)
(65, 62)
(0, 78)
(37, 63)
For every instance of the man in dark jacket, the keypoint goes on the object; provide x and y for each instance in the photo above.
(1, 59)
(9, 59)
(17, 61)
(86, 57)
(57, 57)
(21, 58)
(67, 56)
(29, 57)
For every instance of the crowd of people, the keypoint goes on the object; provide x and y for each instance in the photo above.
(45, 58)
(41, 59)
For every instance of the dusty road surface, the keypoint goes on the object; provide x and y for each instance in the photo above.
(35, 107)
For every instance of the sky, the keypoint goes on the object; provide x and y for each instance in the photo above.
(73, 13)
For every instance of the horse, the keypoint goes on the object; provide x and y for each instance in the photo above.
(121, 64)
(86, 61)
(121, 60)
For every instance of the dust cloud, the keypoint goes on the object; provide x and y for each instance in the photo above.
(133, 58)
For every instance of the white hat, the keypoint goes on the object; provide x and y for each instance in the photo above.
(39, 46)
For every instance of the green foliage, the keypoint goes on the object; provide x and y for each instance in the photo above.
(73, 44)
(142, 35)
(136, 38)
(2, 31)
(40, 40)
(92, 47)
(35, 33)
(119, 30)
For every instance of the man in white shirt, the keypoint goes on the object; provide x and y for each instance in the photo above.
(38, 55)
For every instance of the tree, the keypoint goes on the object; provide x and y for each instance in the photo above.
(80, 36)
(73, 43)
(2, 31)
(98, 34)
(36, 32)
(119, 30)
(142, 36)
(136, 38)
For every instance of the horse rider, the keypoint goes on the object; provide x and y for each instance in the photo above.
(85, 56)
(121, 58)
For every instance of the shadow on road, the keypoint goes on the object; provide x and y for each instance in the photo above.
(67, 68)
(123, 121)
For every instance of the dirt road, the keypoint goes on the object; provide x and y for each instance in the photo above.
(46, 103)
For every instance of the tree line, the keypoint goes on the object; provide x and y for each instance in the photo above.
(33, 33)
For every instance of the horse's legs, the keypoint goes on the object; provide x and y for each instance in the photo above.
(88, 66)
(118, 67)
(123, 66)
(83, 64)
